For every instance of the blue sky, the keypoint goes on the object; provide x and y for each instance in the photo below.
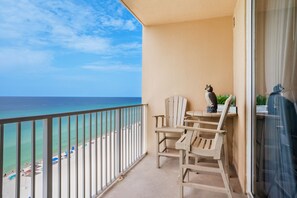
(69, 48)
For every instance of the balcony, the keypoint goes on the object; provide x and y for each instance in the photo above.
(95, 168)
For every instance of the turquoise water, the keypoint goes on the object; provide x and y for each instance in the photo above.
(28, 106)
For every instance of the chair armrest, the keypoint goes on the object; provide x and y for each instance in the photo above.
(185, 141)
(157, 120)
(202, 122)
(202, 129)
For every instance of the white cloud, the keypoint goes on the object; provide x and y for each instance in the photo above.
(130, 46)
(119, 24)
(101, 66)
(129, 25)
(18, 59)
(62, 23)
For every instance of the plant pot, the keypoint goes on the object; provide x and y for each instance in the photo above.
(261, 109)
(232, 109)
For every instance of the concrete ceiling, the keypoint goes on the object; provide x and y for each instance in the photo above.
(156, 12)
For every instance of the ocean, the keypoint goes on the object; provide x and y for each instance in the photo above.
(11, 107)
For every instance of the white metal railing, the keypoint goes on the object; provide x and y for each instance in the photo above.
(100, 146)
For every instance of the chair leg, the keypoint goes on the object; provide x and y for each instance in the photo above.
(181, 173)
(225, 180)
(157, 150)
(164, 142)
(187, 163)
(226, 157)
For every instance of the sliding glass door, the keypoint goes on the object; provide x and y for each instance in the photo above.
(275, 70)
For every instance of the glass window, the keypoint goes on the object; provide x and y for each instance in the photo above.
(275, 135)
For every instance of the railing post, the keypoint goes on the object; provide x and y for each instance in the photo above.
(47, 157)
(118, 124)
(143, 129)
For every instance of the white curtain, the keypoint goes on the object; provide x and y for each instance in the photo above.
(280, 49)
(280, 46)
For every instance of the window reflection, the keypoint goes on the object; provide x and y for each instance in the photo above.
(275, 144)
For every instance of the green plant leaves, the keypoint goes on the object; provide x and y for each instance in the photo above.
(222, 98)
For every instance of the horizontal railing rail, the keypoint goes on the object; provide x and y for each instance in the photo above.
(99, 146)
(41, 117)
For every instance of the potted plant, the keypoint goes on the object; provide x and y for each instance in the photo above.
(261, 102)
(221, 101)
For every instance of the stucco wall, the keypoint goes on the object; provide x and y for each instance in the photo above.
(180, 59)
(239, 69)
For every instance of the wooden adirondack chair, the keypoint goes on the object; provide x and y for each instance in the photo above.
(175, 108)
(193, 144)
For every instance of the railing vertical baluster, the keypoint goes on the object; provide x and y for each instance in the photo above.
(47, 158)
(134, 134)
(110, 142)
(126, 138)
(18, 160)
(118, 126)
(138, 142)
(1, 157)
(68, 157)
(137, 131)
(138, 125)
(105, 140)
(121, 132)
(142, 130)
(83, 156)
(76, 157)
(101, 152)
(123, 140)
(90, 154)
(96, 153)
(59, 158)
(95, 159)
(33, 133)
(114, 144)
(130, 137)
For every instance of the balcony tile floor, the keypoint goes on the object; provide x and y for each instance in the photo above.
(147, 181)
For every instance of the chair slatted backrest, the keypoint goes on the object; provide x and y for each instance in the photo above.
(175, 109)
(218, 140)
